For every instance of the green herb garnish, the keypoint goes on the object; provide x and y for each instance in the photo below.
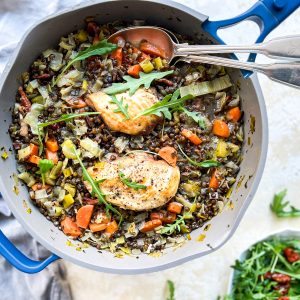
(252, 274)
(132, 84)
(45, 165)
(170, 228)
(278, 206)
(196, 116)
(166, 106)
(127, 181)
(95, 188)
(171, 290)
(67, 117)
(202, 164)
(101, 48)
(121, 107)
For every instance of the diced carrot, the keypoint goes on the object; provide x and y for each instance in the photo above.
(134, 71)
(111, 227)
(150, 225)
(119, 40)
(69, 227)
(94, 227)
(84, 215)
(118, 56)
(214, 181)
(143, 56)
(34, 159)
(135, 50)
(52, 145)
(220, 128)
(39, 186)
(165, 217)
(76, 103)
(34, 149)
(169, 154)
(175, 207)
(191, 136)
(52, 156)
(151, 49)
(234, 114)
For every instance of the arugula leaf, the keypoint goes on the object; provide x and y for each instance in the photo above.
(169, 102)
(103, 47)
(171, 289)
(121, 107)
(171, 228)
(95, 187)
(45, 165)
(132, 84)
(67, 117)
(196, 116)
(127, 181)
(278, 206)
(202, 164)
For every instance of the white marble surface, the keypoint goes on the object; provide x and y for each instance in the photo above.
(207, 277)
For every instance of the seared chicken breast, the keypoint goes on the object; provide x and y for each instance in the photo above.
(116, 121)
(161, 181)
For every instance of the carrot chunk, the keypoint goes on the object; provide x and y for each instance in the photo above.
(52, 144)
(111, 227)
(69, 227)
(39, 186)
(134, 71)
(34, 149)
(169, 154)
(165, 217)
(151, 49)
(34, 159)
(192, 137)
(119, 40)
(84, 215)
(234, 114)
(175, 207)
(221, 129)
(94, 227)
(150, 225)
(214, 181)
(118, 56)
(52, 156)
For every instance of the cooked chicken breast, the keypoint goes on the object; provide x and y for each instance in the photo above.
(141, 100)
(161, 181)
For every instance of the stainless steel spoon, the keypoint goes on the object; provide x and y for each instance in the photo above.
(284, 47)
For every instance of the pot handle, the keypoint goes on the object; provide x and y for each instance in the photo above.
(19, 260)
(267, 14)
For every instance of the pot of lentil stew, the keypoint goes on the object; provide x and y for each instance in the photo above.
(206, 154)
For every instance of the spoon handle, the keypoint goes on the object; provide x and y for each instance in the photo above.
(283, 47)
(286, 73)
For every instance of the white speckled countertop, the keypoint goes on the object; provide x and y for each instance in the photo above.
(207, 277)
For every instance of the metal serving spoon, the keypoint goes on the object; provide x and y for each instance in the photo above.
(286, 47)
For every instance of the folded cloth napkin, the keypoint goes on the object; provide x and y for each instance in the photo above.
(16, 16)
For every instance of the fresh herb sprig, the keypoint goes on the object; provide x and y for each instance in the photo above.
(171, 228)
(128, 181)
(203, 164)
(44, 165)
(101, 48)
(121, 107)
(132, 84)
(95, 188)
(278, 206)
(171, 290)
(166, 106)
(67, 117)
